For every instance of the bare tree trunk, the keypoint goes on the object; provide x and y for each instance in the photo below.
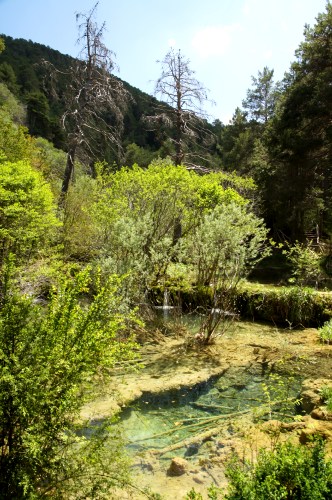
(68, 171)
(179, 123)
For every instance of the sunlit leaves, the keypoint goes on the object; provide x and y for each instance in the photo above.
(50, 357)
(143, 214)
(27, 215)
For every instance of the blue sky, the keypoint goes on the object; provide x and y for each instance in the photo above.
(226, 41)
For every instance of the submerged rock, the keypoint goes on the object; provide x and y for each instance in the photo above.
(178, 467)
(192, 449)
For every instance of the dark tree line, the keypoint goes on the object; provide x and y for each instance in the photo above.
(282, 138)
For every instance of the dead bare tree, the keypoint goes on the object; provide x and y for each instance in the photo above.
(181, 110)
(94, 99)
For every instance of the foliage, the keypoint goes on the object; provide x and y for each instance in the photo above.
(299, 182)
(261, 99)
(8, 77)
(279, 399)
(51, 358)
(289, 156)
(212, 494)
(293, 306)
(142, 215)
(10, 105)
(135, 154)
(225, 245)
(236, 142)
(289, 472)
(325, 332)
(222, 248)
(38, 115)
(326, 394)
(51, 162)
(305, 262)
(15, 144)
(80, 236)
(27, 212)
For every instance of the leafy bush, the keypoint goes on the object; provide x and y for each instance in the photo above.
(143, 215)
(326, 393)
(293, 306)
(305, 262)
(289, 472)
(325, 332)
(27, 211)
(213, 493)
(51, 359)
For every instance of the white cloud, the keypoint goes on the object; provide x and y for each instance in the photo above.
(213, 40)
(268, 54)
(171, 42)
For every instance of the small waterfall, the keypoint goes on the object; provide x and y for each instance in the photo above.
(166, 299)
(168, 308)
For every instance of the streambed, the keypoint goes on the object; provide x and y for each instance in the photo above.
(250, 366)
(159, 420)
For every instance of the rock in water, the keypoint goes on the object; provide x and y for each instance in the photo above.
(178, 467)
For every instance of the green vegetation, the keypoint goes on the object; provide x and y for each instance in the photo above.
(326, 393)
(212, 494)
(281, 136)
(291, 306)
(27, 211)
(95, 218)
(305, 264)
(325, 332)
(51, 358)
(290, 472)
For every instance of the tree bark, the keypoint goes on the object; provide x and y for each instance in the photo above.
(68, 171)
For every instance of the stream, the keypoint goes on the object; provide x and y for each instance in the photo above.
(157, 420)
(250, 376)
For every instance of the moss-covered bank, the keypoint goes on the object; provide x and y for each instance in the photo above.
(285, 306)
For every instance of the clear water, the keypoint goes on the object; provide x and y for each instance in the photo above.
(156, 421)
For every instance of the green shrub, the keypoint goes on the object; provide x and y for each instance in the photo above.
(305, 262)
(27, 211)
(289, 472)
(326, 393)
(52, 360)
(213, 493)
(325, 332)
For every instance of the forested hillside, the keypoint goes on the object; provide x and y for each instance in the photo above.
(23, 73)
(281, 137)
(109, 196)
